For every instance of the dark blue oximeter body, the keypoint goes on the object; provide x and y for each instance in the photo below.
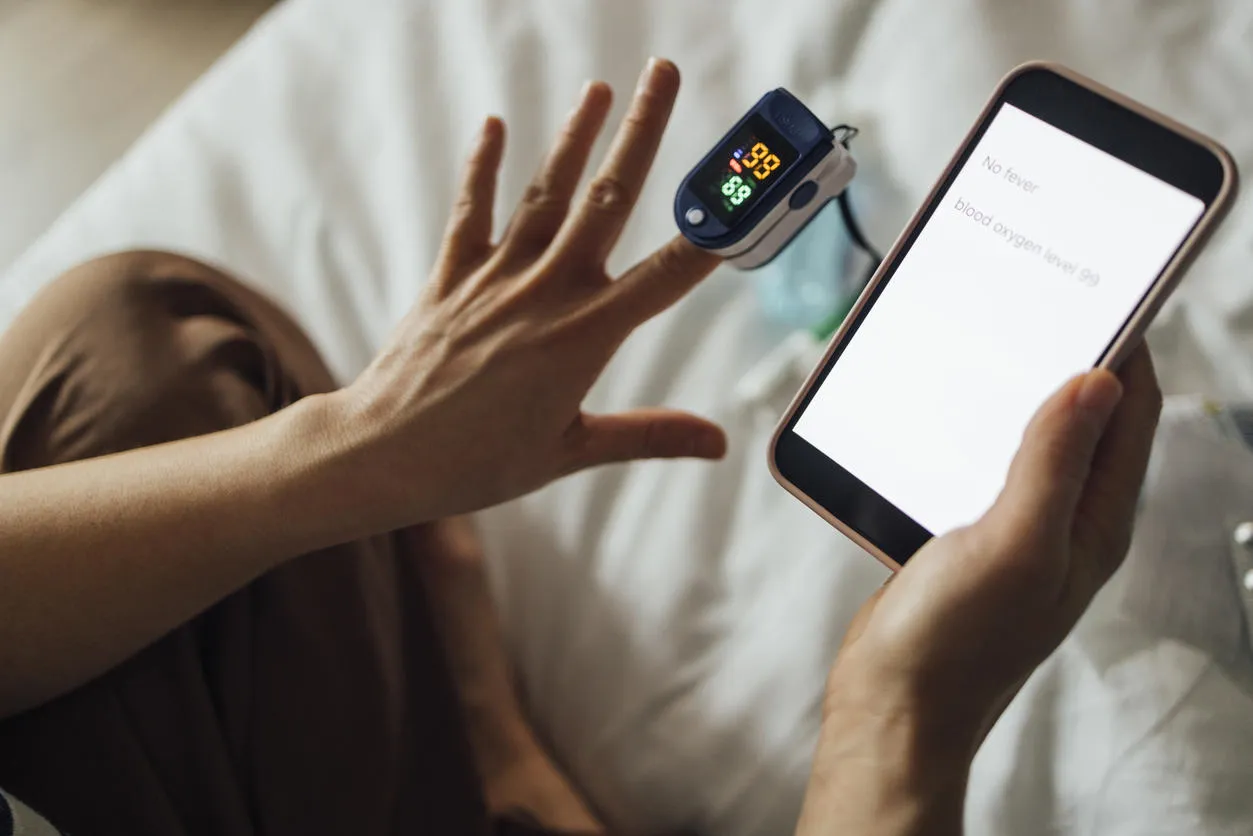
(762, 182)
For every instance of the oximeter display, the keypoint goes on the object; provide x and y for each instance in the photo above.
(737, 174)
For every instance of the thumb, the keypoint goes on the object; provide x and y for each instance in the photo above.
(1047, 477)
(645, 434)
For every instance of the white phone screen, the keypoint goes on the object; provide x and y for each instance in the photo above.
(1033, 259)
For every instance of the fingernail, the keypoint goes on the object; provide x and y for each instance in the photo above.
(1098, 395)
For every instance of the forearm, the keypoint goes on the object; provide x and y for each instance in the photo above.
(518, 775)
(101, 557)
(448, 558)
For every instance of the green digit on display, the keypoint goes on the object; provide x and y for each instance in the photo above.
(732, 183)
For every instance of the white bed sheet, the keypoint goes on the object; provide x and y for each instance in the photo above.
(673, 622)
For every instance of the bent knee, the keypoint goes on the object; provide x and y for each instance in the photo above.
(111, 283)
(125, 313)
(127, 350)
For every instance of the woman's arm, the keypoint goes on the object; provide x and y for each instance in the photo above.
(102, 556)
(475, 399)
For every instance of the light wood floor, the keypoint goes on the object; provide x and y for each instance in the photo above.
(80, 80)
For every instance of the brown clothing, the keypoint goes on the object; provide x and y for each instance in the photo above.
(314, 701)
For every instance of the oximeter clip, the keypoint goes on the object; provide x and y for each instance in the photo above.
(763, 181)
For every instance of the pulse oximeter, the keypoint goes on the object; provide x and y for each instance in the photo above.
(766, 178)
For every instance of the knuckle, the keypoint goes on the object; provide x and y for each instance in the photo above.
(609, 194)
(543, 205)
(535, 194)
(639, 117)
(463, 209)
(539, 196)
(667, 262)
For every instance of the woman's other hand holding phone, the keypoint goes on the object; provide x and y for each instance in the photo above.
(933, 658)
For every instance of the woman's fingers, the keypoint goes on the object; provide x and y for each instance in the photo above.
(547, 200)
(594, 228)
(468, 238)
(1106, 512)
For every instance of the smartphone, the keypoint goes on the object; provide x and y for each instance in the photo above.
(1054, 235)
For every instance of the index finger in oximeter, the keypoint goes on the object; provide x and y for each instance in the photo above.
(763, 182)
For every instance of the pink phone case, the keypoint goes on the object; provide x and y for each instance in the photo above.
(1125, 341)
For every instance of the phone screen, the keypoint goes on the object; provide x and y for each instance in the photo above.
(1033, 258)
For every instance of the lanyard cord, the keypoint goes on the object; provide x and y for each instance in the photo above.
(843, 134)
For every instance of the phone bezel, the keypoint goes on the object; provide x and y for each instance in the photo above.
(1091, 112)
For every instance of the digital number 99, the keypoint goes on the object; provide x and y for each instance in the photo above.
(736, 190)
(760, 156)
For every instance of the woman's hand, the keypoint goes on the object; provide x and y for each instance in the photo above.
(477, 397)
(934, 656)
(475, 400)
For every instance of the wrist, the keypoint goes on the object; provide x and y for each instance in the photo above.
(889, 761)
(324, 464)
(353, 459)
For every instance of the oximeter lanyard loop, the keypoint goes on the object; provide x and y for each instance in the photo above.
(843, 134)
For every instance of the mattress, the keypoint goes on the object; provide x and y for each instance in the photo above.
(672, 623)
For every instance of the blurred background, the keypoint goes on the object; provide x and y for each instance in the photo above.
(80, 80)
